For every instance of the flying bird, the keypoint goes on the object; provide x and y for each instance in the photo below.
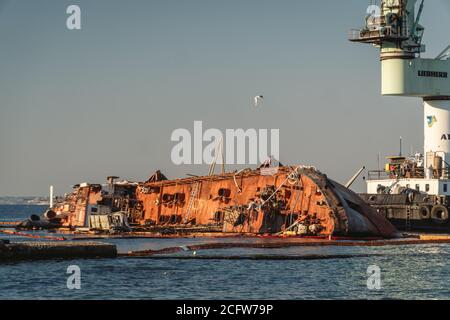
(258, 100)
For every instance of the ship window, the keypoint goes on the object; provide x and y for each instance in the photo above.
(427, 187)
(155, 190)
(417, 187)
(287, 194)
(224, 193)
(218, 217)
(445, 187)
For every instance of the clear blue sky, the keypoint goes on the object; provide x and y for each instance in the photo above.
(80, 105)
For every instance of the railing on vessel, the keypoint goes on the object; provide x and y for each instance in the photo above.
(378, 34)
(418, 173)
(354, 34)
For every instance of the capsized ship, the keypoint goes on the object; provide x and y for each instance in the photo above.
(100, 207)
(269, 200)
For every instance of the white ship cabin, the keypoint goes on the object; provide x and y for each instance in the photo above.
(402, 174)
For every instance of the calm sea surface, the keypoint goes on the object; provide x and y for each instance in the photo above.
(407, 272)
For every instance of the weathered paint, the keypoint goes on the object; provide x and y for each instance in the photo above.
(239, 203)
(74, 210)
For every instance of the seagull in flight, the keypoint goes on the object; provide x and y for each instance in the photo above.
(258, 100)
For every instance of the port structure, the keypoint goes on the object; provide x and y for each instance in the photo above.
(394, 27)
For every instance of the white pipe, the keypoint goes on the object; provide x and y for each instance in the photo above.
(51, 196)
(353, 179)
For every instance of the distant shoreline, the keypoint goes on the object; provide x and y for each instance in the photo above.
(28, 200)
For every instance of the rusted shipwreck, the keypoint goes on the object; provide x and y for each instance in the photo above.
(291, 200)
(264, 201)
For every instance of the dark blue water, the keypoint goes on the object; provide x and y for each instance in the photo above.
(407, 272)
(19, 212)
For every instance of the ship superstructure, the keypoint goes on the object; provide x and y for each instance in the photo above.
(394, 27)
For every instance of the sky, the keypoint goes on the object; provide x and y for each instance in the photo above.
(79, 105)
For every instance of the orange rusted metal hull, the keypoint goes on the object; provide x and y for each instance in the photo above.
(293, 198)
(74, 210)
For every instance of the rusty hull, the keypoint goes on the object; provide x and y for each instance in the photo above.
(73, 211)
(299, 199)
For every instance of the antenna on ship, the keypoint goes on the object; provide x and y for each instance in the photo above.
(378, 161)
(400, 154)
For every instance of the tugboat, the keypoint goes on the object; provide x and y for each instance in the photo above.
(412, 198)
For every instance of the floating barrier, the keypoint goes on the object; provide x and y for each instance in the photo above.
(261, 257)
(287, 244)
(9, 224)
(34, 236)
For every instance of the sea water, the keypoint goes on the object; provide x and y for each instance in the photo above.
(406, 272)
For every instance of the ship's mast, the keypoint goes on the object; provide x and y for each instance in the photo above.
(396, 30)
